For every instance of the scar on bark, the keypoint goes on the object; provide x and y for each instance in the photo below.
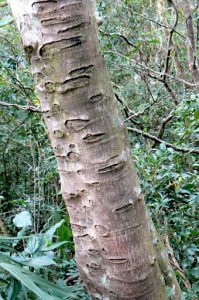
(73, 156)
(93, 137)
(77, 124)
(102, 230)
(43, 2)
(73, 83)
(55, 108)
(97, 97)
(72, 28)
(124, 208)
(112, 167)
(81, 70)
(76, 195)
(78, 228)
(61, 20)
(59, 133)
(57, 46)
(118, 260)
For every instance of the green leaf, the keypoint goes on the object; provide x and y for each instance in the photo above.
(49, 233)
(41, 261)
(53, 246)
(34, 244)
(13, 289)
(16, 272)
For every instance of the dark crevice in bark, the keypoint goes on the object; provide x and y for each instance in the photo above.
(112, 168)
(81, 70)
(77, 124)
(93, 138)
(44, 2)
(60, 45)
(96, 98)
(60, 20)
(72, 28)
(74, 83)
(118, 260)
(70, 4)
(124, 208)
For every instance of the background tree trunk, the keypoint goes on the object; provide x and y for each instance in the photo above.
(114, 250)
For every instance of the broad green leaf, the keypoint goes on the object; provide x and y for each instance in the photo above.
(16, 272)
(40, 261)
(49, 233)
(53, 246)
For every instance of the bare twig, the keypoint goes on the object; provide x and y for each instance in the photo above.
(175, 263)
(136, 64)
(170, 46)
(154, 21)
(21, 107)
(159, 141)
(121, 36)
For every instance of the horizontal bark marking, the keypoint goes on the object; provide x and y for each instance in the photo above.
(81, 70)
(74, 196)
(60, 45)
(94, 252)
(118, 260)
(72, 28)
(93, 137)
(71, 4)
(94, 266)
(43, 2)
(43, 7)
(76, 124)
(57, 20)
(95, 183)
(74, 83)
(97, 97)
(86, 235)
(78, 228)
(124, 208)
(112, 168)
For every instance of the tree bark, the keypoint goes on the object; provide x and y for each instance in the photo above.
(190, 35)
(114, 250)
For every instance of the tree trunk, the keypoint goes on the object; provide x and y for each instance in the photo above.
(114, 251)
(191, 45)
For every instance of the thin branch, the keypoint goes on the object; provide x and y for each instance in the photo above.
(175, 263)
(136, 63)
(163, 124)
(159, 141)
(169, 48)
(121, 36)
(127, 110)
(154, 21)
(21, 107)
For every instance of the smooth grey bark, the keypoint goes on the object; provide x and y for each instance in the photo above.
(114, 250)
